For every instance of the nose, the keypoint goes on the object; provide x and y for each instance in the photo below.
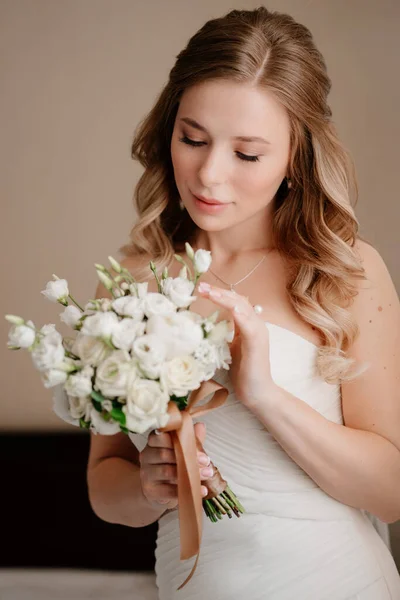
(213, 169)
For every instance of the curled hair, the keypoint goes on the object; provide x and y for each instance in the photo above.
(314, 224)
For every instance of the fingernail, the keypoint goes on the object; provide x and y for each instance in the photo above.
(204, 286)
(204, 490)
(203, 460)
(207, 472)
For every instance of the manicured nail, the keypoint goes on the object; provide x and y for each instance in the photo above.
(204, 460)
(204, 287)
(207, 472)
(204, 490)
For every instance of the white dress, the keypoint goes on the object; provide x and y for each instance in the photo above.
(294, 542)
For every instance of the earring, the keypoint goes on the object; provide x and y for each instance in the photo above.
(289, 183)
(181, 205)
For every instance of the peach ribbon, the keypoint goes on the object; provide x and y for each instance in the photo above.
(190, 504)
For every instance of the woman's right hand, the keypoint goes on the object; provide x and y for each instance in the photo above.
(158, 470)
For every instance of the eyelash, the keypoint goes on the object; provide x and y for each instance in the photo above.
(244, 157)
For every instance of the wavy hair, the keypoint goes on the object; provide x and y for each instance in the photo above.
(314, 224)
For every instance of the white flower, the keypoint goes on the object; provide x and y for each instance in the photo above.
(53, 377)
(151, 353)
(105, 304)
(146, 406)
(202, 260)
(181, 375)
(102, 324)
(180, 334)
(49, 353)
(79, 408)
(129, 306)
(141, 289)
(56, 291)
(61, 406)
(208, 356)
(219, 333)
(179, 291)
(80, 383)
(115, 374)
(70, 316)
(22, 336)
(157, 304)
(126, 332)
(99, 425)
(92, 351)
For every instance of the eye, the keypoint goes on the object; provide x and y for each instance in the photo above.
(245, 157)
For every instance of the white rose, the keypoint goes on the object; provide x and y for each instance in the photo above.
(80, 384)
(129, 306)
(202, 260)
(99, 425)
(56, 291)
(179, 291)
(22, 336)
(80, 408)
(146, 406)
(180, 334)
(126, 332)
(70, 316)
(49, 353)
(115, 374)
(157, 304)
(91, 350)
(100, 325)
(53, 377)
(181, 375)
(151, 353)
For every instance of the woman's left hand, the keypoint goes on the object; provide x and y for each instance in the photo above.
(250, 369)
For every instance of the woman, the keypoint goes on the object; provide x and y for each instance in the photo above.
(241, 158)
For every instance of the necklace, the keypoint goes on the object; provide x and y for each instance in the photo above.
(232, 285)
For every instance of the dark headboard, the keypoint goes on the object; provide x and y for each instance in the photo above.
(46, 513)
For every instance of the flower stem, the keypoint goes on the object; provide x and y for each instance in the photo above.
(75, 302)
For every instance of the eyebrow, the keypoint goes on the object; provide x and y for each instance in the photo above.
(241, 138)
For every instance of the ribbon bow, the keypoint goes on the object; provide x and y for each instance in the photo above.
(190, 505)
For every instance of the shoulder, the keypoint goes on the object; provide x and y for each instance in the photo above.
(376, 300)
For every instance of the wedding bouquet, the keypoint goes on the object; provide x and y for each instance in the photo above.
(138, 359)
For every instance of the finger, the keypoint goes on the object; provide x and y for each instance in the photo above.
(161, 440)
(165, 473)
(157, 456)
(200, 431)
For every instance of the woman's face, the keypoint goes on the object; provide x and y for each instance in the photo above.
(217, 152)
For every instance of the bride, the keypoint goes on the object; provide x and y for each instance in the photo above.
(241, 157)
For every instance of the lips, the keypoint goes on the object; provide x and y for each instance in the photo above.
(209, 200)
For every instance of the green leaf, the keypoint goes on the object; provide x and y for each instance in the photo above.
(97, 405)
(84, 424)
(97, 396)
(118, 416)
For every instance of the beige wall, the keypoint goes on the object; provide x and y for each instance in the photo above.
(78, 75)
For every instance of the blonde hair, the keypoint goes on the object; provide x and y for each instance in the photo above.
(314, 224)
